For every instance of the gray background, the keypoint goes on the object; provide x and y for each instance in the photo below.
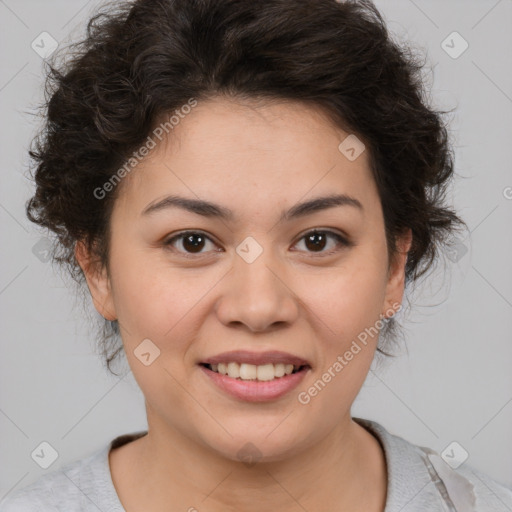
(455, 382)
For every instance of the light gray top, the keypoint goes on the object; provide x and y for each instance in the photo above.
(418, 480)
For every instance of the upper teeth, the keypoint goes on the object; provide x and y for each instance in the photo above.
(251, 372)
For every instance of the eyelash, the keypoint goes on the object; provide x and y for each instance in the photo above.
(344, 242)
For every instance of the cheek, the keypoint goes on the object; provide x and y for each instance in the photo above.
(347, 305)
(156, 301)
(145, 303)
(348, 298)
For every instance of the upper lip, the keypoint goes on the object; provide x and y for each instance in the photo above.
(257, 358)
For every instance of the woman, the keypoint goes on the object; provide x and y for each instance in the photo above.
(246, 188)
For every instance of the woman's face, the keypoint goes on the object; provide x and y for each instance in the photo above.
(256, 280)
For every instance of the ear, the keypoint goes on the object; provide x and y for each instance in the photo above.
(396, 274)
(97, 279)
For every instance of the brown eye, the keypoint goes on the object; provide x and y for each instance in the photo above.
(192, 242)
(316, 241)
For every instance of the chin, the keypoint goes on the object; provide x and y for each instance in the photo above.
(251, 446)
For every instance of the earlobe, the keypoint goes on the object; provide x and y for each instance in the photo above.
(97, 279)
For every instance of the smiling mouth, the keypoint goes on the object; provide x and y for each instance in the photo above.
(248, 372)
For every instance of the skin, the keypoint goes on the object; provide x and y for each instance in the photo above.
(257, 160)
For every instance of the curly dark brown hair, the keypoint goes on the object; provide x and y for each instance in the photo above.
(143, 59)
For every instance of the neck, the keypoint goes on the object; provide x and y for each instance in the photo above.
(336, 473)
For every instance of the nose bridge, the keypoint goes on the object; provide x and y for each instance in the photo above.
(254, 275)
(255, 294)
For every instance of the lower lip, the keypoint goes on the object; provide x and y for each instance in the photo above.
(254, 390)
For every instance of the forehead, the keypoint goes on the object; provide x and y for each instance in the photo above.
(249, 153)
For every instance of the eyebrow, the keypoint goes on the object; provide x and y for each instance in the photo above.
(208, 209)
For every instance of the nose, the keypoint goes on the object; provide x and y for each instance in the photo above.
(257, 295)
